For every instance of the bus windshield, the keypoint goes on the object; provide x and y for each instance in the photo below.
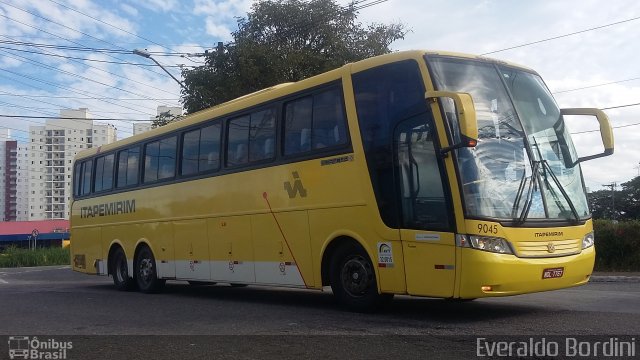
(525, 165)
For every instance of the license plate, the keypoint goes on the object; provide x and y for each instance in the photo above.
(552, 273)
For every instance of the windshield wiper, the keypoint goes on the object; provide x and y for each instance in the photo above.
(546, 165)
(529, 197)
(547, 168)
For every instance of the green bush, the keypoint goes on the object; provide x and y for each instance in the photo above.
(17, 257)
(617, 245)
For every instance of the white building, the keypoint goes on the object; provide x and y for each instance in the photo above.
(141, 127)
(52, 148)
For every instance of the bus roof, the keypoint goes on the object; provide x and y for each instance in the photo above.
(280, 90)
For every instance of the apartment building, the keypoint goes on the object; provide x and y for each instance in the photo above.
(52, 148)
(13, 179)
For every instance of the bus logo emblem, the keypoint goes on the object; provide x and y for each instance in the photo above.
(551, 248)
(297, 187)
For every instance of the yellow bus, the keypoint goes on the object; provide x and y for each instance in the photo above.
(422, 173)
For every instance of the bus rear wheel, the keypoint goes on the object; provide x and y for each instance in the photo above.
(353, 280)
(120, 271)
(146, 274)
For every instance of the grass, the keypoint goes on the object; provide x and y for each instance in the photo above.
(16, 257)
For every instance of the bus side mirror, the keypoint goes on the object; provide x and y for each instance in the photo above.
(466, 113)
(606, 132)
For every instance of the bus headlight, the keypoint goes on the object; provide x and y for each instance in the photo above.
(588, 240)
(491, 244)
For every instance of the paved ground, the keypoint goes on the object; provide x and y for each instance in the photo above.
(55, 301)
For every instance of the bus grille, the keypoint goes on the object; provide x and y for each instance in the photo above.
(552, 248)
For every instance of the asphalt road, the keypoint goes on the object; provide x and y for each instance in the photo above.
(269, 322)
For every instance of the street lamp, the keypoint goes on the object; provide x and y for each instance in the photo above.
(147, 55)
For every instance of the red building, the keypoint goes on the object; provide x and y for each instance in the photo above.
(44, 233)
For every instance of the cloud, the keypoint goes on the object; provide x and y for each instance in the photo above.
(129, 9)
(158, 5)
(218, 31)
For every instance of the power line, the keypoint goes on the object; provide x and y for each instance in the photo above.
(83, 48)
(68, 118)
(39, 64)
(44, 52)
(613, 127)
(597, 85)
(77, 91)
(92, 60)
(108, 24)
(620, 106)
(84, 98)
(562, 36)
(71, 41)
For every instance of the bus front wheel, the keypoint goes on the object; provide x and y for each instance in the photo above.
(353, 280)
(120, 271)
(146, 274)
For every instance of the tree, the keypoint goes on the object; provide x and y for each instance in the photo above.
(164, 118)
(627, 202)
(629, 199)
(283, 41)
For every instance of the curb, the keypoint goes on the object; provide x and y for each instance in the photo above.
(615, 278)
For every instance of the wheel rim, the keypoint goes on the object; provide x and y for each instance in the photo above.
(145, 270)
(122, 272)
(356, 276)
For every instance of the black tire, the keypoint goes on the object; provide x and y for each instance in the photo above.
(145, 272)
(200, 283)
(120, 271)
(236, 285)
(353, 280)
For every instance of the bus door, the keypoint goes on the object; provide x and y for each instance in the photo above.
(426, 227)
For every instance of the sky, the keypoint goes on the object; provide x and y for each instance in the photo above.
(585, 50)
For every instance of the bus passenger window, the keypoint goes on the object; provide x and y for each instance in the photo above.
(328, 120)
(238, 137)
(262, 129)
(167, 158)
(200, 150)
(297, 126)
(86, 177)
(190, 147)
(315, 122)
(209, 154)
(160, 159)
(128, 167)
(104, 173)
(76, 179)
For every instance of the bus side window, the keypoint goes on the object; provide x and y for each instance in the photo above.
(297, 125)
(87, 167)
(262, 129)
(328, 119)
(76, 179)
(127, 167)
(237, 140)
(315, 122)
(103, 179)
(167, 158)
(209, 155)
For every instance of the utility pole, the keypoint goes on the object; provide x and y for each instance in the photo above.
(613, 186)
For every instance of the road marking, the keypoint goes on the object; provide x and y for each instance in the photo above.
(2, 281)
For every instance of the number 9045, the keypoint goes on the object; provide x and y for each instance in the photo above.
(488, 228)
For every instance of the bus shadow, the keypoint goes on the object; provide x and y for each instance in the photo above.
(401, 308)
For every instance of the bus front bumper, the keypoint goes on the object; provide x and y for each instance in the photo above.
(486, 274)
